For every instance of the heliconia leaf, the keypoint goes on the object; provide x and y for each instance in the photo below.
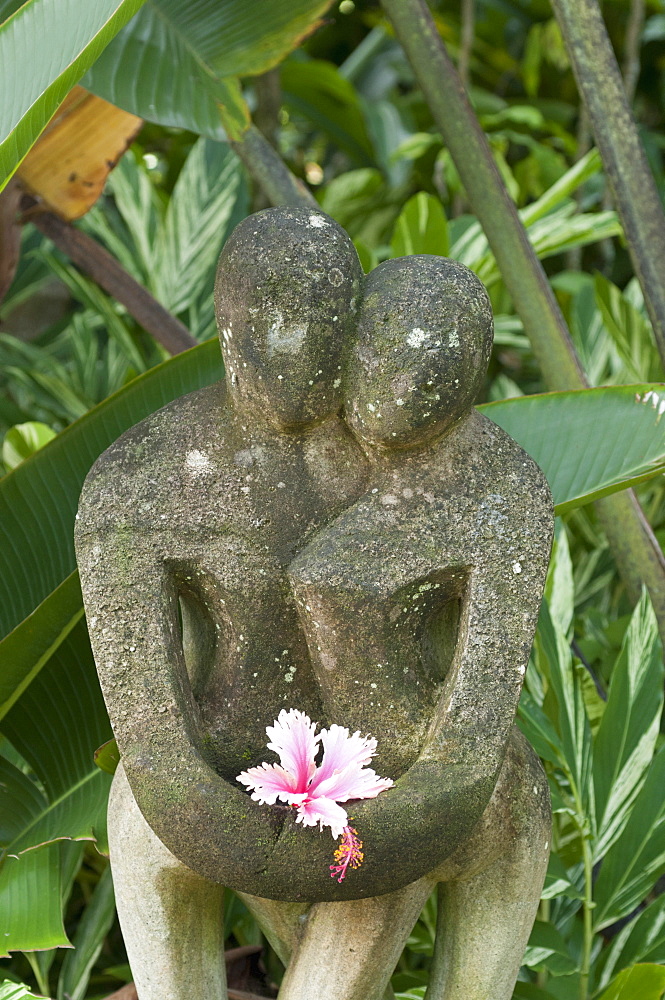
(573, 725)
(641, 940)
(640, 982)
(16, 991)
(559, 590)
(588, 442)
(421, 227)
(529, 991)
(55, 727)
(107, 756)
(539, 730)
(547, 949)
(45, 48)
(633, 864)
(176, 63)
(626, 738)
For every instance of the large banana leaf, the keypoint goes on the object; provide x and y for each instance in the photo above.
(177, 63)
(589, 442)
(45, 48)
(55, 726)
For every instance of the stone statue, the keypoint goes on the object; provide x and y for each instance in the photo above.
(332, 529)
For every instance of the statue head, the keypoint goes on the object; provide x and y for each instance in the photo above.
(286, 292)
(423, 345)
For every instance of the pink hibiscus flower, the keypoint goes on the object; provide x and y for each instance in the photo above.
(315, 791)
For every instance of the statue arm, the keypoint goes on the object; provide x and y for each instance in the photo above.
(499, 616)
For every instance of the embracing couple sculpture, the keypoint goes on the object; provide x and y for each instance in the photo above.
(334, 529)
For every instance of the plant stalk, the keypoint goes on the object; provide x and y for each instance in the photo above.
(635, 194)
(95, 261)
(270, 172)
(42, 980)
(631, 62)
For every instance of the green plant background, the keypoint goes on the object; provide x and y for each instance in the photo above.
(76, 370)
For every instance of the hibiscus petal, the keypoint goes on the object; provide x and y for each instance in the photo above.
(269, 783)
(292, 737)
(354, 782)
(341, 751)
(325, 812)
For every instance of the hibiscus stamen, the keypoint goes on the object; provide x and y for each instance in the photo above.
(348, 855)
(316, 791)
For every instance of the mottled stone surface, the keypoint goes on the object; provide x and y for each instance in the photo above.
(343, 534)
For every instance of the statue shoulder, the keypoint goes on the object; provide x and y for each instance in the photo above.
(121, 478)
(508, 460)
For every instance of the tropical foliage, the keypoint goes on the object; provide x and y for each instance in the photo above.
(331, 86)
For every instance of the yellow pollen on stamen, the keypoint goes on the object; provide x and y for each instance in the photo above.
(349, 854)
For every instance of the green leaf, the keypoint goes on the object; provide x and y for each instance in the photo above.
(629, 329)
(209, 199)
(107, 757)
(16, 991)
(416, 145)
(91, 931)
(626, 739)
(589, 442)
(641, 982)
(317, 90)
(40, 496)
(558, 882)
(642, 940)
(636, 861)
(23, 440)
(539, 731)
(45, 48)
(559, 589)
(56, 726)
(25, 650)
(548, 950)
(550, 221)
(573, 725)
(348, 195)
(421, 227)
(28, 921)
(175, 63)
(527, 991)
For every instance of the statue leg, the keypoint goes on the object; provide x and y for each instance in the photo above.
(171, 918)
(490, 889)
(349, 950)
